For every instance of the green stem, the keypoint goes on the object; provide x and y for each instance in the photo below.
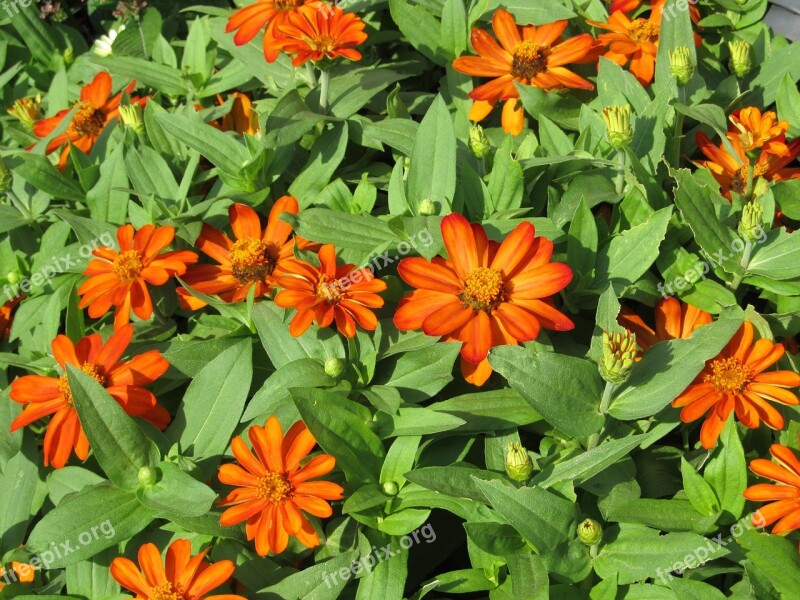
(620, 179)
(678, 133)
(604, 403)
(312, 76)
(744, 263)
(324, 82)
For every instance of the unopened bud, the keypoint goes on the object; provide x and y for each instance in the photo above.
(427, 208)
(334, 367)
(590, 532)
(390, 488)
(741, 61)
(618, 125)
(13, 277)
(681, 65)
(619, 353)
(519, 465)
(147, 476)
(478, 142)
(132, 116)
(69, 56)
(27, 110)
(752, 221)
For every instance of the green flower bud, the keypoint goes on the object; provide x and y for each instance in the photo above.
(590, 532)
(741, 61)
(681, 65)
(13, 277)
(334, 367)
(427, 208)
(518, 464)
(752, 221)
(619, 353)
(27, 110)
(618, 125)
(478, 142)
(147, 476)
(69, 56)
(5, 176)
(390, 488)
(132, 116)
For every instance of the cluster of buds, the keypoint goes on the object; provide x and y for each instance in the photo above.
(478, 142)
(681, 65)
(741, 61)
(618, 125)
(519, 465)
(619, 353)
(751, 226)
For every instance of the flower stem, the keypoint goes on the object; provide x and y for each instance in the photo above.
(620, 179)
(324, 81)
(312, 76)
(744, 263)
(604, 403)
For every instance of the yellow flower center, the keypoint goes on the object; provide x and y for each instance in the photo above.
(166, 591)
(730, 376)
(739, 179)
(92, 370)
(643, 30)
(253, 260)
(529, 60)
(88, 120)
(274, 487)
(323, 43)
(484, 289)
(286, 5)
(330, 291)
(128, 265)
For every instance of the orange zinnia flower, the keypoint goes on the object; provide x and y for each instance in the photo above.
(95, 111)
(674, 319)
(272, 487)
(327, 293)
(628, 6)
(784, 497)
(735, 381)
(529, 55)
(5, 316)
(254, 259)
(634, 41)
(486, 295)
(120, 279)
(123, 380)
(317, 32)
(731, 172)
(186, 577)
(267, 15)
(754, 130)
(22, 572)
(242, 118)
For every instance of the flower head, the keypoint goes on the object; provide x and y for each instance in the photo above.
(272, 487)
(633, 41)
(242, 118)
(120, 278)
(268, 15)
(254, 259)
(329, 293)
(755, 130)
(784, 495)
(519, 465)
(681, 65)
(486, 294)
(736, 380)
(123, 380)
(96, 110)
(741, 58)
(674, 320)
(619, 354)
(618, 125)
(314, 33)
(27, 110)
(529, 55)
(185, 577)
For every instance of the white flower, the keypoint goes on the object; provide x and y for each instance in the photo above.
(102, 45)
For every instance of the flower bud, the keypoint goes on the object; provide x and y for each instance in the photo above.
(69, 56)
(132, 116)
(619, 354)
(618, 125)
(741, 61)
(590, 532)
(13, 277)
(681, 65)
(518, 464)
(27, 110)
(427, 208)
(334, 367)
(147, 476)
(478, 142)
(390, 488)
(752, 221)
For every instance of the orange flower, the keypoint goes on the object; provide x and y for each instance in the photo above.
(735, 381)
(634, 41)
(5, 316)
(731, 172)
(267, 15)
(628, 6)
(317, 32)
(123, 380)
(252, 260)
(95, 111)
(674, 319)
(784, 497)
(120, 279)
(529, 55)
(754, 130)
(327, 293)
(186, 577)
(486, 295)
(272, 487)
(242, 118)
(22, 572)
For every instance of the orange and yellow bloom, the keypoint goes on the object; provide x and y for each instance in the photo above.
(5, 316)
(267, 15)
(313, 33)
(21, 572)
(272, 487)
(633, 41)
(674, 319)
(528, 55)
(329, 293)
(486, 294)
(185, 577)
(754, 130)
(96, 110)
(254, 259)
(736, 380)
(242, 118)
(784, 495)
(120, 278)
(123, 380)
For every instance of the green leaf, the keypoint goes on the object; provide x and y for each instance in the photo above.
(776, 258)
(21, 500)
(404, 521)
(664, 515)
(455, 34)
(117, 442)
(340, 431)
(161, 77)
(698, 490)
(322, 581)
(528, 13)
(691, 589)
(400, 459)
(549, 382)
(39, 171)
(676, 30)
(787, 101)
(495, 538)
(582, 241)
(456, 480)
(529, 577)
(363, 234)
(177, 492)
(727, 472)
(415, 420)
(776, 557)
(420, 28)
(506, 182)
(781, 64)
(489, 411)
(421, 374)
(92, 578)
(324, 158)
(386, 580)
(108, 199)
